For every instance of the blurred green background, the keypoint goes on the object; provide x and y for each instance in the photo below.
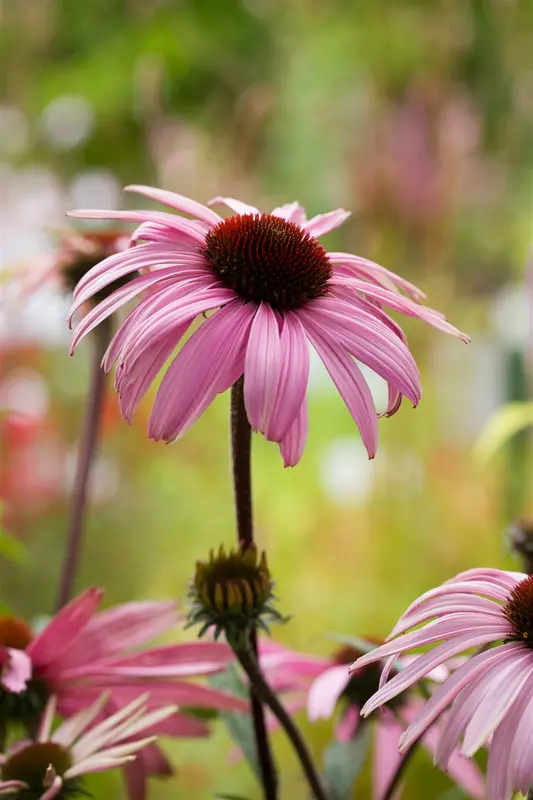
(416, 116)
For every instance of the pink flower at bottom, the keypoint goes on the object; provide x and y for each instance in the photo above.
(53, 765)
(491, 694)
(277, 290)
(322, 684)
(82, 653)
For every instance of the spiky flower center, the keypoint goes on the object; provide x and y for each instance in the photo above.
(518, 610)
(232, 593)
(235, 582)
(263, 257)
(14, 633)
(365, 682)
(36, 765)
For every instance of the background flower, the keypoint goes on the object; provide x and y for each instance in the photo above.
(324, 685)
(82, 653)
(53, 765)
(491, 694)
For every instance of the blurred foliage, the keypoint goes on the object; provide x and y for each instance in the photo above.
(415, 115)
(509, 420)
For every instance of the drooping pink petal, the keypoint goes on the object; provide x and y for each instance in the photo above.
(351, 265)
(439, 629)
(189, 233)
(53, 790)
(179, 265)
(293, 377)
(120, 628)
(449, 690)
(188, 387)
(159, 233)
(470, 680)
(132, 389)
(348, 724)
(262, 367)
(122, 296)
(386, 757)
(178, 692)
(428, 661)
(402, 304)
(178, 202)
(15, 669)
(349, 381)
(516, 728)
(136, 780)
(371, 342)
(500, 694)
(198, 655)
(62, 629)
(504, 578)
(325, 692)
(170, 321)
(323, 223)
(292, 212)
(479, 587)
(464, 772)
(502, 773)
(441, 606)
(293, 443)
(148, 313)
(146, 257)
(236, 205)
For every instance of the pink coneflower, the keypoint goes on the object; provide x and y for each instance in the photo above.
(492, 692)
(81, 653)
(77, 252)
(322, 685)
(53, 765)
(276, 289)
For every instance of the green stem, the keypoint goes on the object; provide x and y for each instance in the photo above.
(89, 440)
(263, 690)
(241, 445)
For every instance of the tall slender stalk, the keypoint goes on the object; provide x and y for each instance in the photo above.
(89, 439)
(241, 446)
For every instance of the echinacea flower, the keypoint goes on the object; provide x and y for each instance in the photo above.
(83, 652)
(491, 694)
(276, 290)
(233, 593)
(53, 765)
(77, 252)
(322, 685)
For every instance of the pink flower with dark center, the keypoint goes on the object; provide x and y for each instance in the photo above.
(491, 694)
(53, 765)
(322, 685)
(76, 254)
(82, 653)
(276, 290)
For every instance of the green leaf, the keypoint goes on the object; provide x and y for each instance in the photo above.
(343, 762)
(508, 420)
(239, 725)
